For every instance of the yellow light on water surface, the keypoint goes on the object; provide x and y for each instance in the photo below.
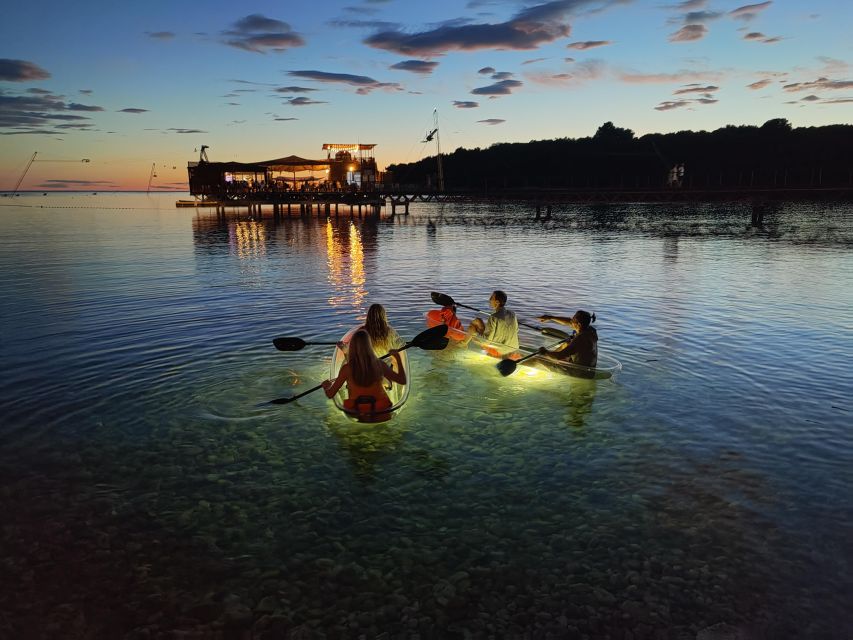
(249, 239)
(346, 266)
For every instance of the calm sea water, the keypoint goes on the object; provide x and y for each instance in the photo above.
(147, 487)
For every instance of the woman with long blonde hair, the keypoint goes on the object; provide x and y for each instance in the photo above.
(364, 375)
(382, 335)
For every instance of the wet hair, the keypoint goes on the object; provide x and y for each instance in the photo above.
(377, 327)
(584, 318)
(365, 368)
(500, 296)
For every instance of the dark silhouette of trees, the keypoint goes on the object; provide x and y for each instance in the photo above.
(774, 155)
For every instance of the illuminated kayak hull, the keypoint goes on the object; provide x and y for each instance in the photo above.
(530, 340)
(397, 394)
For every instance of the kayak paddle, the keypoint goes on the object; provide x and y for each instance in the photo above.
(432, 339)
(445, 301)
(295, 344)
(507, 366)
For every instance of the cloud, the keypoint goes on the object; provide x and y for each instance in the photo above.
(295, 89)
(533, 61)
(688, 5)
(502, 75)
(492, 121)
(487, 71)
(303, 102)
(365, 84)
(838, 101)
(759, 84)
(260, 34)
(86, 92)
(588, 44)
(59, 183)
(583, 71)
(749, 11)
(672, 104)
(666, 78)
(40, 92)
(689, 32)
(465, 104)
(73, 106)
(187, 130)
(284, 119)
(819, 84)
(21, 71)
(257, 84)
(833, 65)
(706, 100)
(693, 17)
(696, 89)
(528, 29)
(376, 25)
(810, 98)
(160, 35)
(133, 110)
(502, 88)
(760, 37)
(415, 66)
(37, 112)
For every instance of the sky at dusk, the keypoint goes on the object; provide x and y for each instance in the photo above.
(128, 85)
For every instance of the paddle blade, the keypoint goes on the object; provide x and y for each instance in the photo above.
(436, 345)
(506, 366)
(289, 344)
(282, 400)
(554, 333)
(441, 299)
(429, 336)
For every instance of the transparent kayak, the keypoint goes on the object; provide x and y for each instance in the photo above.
(530, 341)
(397, 394)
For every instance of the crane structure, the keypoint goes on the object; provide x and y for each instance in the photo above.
(30, 163)
(429, 138)
(151, 176)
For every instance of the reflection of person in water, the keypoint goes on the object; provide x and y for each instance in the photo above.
(580, 402)
(366, 445)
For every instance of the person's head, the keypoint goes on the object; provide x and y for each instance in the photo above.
(376, 317)
(364, 365)
(582, 319)
(497, 299)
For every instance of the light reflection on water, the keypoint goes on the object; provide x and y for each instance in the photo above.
(709, 483)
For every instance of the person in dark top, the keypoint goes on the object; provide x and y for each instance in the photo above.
(582, 349)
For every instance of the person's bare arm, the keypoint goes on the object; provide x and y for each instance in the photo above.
(331, 387)
(398, 376)
(547, 317)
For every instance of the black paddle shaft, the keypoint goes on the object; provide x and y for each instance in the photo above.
(508, 366)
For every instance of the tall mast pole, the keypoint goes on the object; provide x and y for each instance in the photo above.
(438, 149)
(150, 177)
(27, 168)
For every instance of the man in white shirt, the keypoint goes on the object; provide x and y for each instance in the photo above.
(501, 326)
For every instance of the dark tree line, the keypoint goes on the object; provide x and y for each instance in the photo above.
(772, 155)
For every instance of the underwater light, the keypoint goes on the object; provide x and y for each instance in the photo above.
(523, 372)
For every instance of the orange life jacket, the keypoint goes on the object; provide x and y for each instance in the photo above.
(368, 401)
